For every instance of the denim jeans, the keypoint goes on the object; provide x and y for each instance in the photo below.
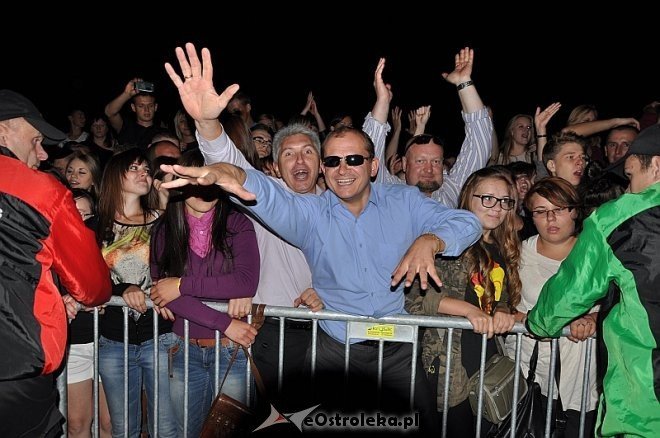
(201, 377)
(140, 374)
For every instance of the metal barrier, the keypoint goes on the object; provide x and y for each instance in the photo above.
(405, 328)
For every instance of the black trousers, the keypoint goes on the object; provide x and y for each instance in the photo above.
(28, 408)
(360, 394)
(265, 350)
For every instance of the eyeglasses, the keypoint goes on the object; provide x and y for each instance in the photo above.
(351, 160)
(559, 211)
(262, 141)
(489, 201)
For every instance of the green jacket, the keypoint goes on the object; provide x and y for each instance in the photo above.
(618, 251)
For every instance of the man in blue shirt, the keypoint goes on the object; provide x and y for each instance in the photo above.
(360, 239)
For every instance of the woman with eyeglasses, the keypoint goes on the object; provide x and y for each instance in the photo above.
(555, 207)
(482, 285)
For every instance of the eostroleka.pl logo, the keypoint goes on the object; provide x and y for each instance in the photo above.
(308, 420)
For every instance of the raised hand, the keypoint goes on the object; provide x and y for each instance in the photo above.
(541, 118)
(383, 94)
(198, 95)
(412, 123)
(227, 176)
(422, 116)
(308, 105)
(383, 90)
(463, 62)
(395, 114)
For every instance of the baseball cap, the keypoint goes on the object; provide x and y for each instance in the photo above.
(14, 105)
(647, 142)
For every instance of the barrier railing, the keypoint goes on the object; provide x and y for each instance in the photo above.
(405, 328)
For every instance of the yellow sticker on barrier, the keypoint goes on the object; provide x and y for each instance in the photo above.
(381, 331)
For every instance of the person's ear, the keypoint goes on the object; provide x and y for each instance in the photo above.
(133, 107)
(655, 167)
(276, 169)
(551, 167)
(374, 167)
(404, 163)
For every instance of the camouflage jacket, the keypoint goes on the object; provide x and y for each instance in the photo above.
(454, 277)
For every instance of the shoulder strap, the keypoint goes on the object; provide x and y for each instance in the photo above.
(257, 321)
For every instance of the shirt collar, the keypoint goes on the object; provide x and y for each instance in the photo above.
(203, 222)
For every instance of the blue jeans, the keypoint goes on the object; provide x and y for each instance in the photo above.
(201, 375)
(140, 373)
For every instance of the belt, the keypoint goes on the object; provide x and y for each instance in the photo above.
(369, 343)
(290, 323)
(210, 343)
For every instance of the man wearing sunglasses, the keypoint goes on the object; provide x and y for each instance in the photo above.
(360, 240)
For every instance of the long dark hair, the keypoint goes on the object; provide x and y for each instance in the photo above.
(172, 258)
(111, 199)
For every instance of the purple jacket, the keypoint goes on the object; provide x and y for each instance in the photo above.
(204, 279)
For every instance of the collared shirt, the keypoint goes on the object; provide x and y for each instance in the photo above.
(352, 258)
(200, 232)
(473, 156)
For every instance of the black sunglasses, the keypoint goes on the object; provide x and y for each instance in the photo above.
(351, 160)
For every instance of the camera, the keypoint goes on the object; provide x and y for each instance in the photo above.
(144, 87)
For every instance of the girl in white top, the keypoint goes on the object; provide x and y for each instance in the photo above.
(554, 204)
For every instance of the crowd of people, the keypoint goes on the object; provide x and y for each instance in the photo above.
(224, 206)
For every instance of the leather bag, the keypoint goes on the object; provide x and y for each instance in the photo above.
(228, 417)
(498, 387)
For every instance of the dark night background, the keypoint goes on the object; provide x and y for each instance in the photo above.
(277, 60)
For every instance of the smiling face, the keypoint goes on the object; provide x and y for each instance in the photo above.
(298, 163)
(556, 226)
(137, 179)
(493, 217)
(351, 184)
(423, 165)
(79, 175)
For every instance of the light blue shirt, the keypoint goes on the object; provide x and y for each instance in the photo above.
(352, 258)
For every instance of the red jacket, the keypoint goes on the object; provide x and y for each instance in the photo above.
(41, 234)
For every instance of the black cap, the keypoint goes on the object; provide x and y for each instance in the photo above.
(647, 142)
(14, 105)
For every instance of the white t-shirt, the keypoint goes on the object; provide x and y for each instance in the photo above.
(535, 270)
